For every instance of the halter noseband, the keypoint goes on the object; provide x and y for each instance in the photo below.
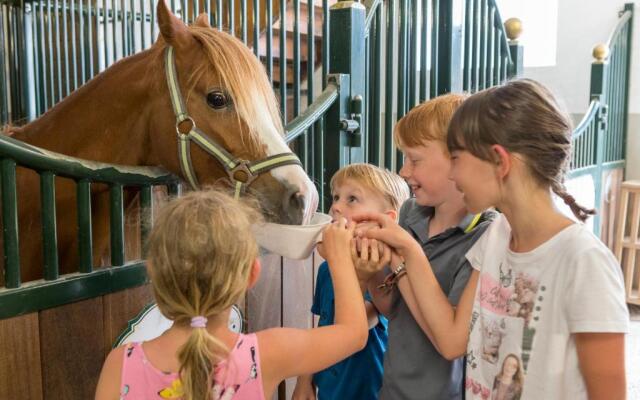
(234, 167)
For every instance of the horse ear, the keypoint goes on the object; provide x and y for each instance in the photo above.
(203, 21)
(172, 29)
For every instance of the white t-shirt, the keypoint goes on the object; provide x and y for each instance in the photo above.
(526, 307)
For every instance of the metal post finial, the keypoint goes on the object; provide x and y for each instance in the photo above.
(600, 52)
(513, 26)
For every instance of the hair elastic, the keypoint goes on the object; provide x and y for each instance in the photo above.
(199, 322)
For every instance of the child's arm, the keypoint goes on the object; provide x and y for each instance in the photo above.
(287, 352)
(109, 383)
(449, 325)
(601, 359)
(304, 389)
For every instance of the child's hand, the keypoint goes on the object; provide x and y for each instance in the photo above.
(304, 389)
(336, 240)
(368, 260)
(388, 232)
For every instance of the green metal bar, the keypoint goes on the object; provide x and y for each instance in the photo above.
(89, 41)
(124, 27)
(283, 60)
(105, 33)
(269, 60)
(244, 21)
(413, 54)
(424, 38)
(389, 86)
(468, 48)
(154, 25)
(85, 235)
(48, 216)
(58, 56)
(74, 53)
(146, 213)
(116, 224)
(303, 141)
(219, 14)
(75, 168)
(143, 21)
(311, 66)
(325, 42)
(44, 295)
(256, 27)
(83, 38)
(51, 72)
(65, 45)
(401, 106)
(114, 30)
(376, 104)
(435, 50)
(10, 224)
(173, 190)
(4, 111)
(483, 44)
(490, 47)
(232, 18)
(37, 63)
(313, 113)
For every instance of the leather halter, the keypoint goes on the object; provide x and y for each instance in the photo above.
(240, 172)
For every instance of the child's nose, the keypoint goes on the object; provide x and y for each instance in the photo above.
(405, 171)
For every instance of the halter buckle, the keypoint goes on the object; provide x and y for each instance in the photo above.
(242, 173)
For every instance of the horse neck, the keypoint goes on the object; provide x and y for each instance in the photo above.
(104, 120)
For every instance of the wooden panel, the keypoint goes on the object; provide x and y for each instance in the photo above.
(119, 308)
(72, 344)
(20, 373)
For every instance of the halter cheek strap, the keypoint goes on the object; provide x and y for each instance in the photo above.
(240, 173)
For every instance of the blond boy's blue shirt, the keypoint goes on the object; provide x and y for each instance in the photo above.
(413, 368)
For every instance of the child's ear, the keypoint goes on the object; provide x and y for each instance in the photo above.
(393, 214)
(254, 275)
(502, 160)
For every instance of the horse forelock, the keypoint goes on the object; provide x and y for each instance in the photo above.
(244, 78)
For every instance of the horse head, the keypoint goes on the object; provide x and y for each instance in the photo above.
(215, 120)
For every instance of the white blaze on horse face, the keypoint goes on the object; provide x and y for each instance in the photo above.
(289, 174)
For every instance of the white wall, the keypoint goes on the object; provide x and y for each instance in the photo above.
(581, 25)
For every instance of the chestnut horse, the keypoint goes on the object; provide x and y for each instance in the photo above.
(126, 115)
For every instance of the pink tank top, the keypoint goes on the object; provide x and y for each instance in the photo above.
(238, 377)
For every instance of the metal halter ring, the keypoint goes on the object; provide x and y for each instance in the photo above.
(181, 120)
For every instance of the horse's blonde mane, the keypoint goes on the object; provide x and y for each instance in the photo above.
(243, 76)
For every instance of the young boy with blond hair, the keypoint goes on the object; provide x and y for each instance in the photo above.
(438, 220)
(356, 188)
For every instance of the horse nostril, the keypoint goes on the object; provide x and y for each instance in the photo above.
(296, 201)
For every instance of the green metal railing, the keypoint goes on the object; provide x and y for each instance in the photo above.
(378, 60)
(54, 289)
(599, 140)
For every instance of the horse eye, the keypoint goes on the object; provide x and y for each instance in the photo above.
(217, 100)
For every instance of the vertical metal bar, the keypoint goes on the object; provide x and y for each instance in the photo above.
(325, 42)
(65, 44)
(477, 17)
(90, 41)
(48, 215)
(37, 62)
(105, 38)
(43, 76)
(389, 86)
(413, 54)
(232, 17)
(81, 42)
(85, 238)
(124, 28)
(435, 40)
(219, 14)
(311, 63)
(402, 60)
(10, 224)
(283, 59)
(424, 37)
(74, 53)
(173, 189)
(58, 43)
(468, 49)
(4, 98)
(376, 105)
(143, 23)
(114, 30)
(154, 25)
(490, 47)
(296, 57)
(146, 213)
(51, 72)
(483, 45)
(243, 20)
(256, 27)
(116, 224)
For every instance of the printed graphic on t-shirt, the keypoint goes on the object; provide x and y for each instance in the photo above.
(501, 334)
